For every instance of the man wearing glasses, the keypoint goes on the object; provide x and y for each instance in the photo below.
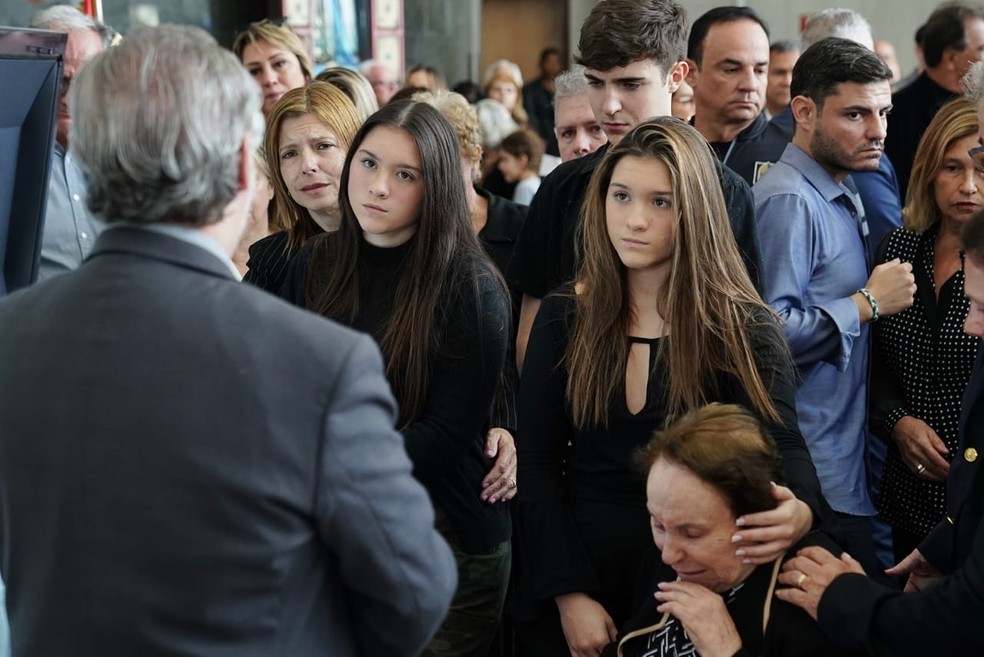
(69, 229)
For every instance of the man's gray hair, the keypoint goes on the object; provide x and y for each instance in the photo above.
(66, 18)
(837, 22)
(158, 124)
(570, 83)
(973, 82)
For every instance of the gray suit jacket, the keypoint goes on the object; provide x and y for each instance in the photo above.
(190, 466)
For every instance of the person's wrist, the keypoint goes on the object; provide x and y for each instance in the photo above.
(872, 302)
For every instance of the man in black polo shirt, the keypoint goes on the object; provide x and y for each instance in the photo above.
(728, 54)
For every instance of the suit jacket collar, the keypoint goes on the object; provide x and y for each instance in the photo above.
(134, 240)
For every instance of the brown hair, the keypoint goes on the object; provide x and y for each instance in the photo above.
(334, 109)
(525, 142)
(709, 305)
(619, 32)
(955, 120)
(726, 447)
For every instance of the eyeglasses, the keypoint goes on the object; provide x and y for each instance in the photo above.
(977, 155)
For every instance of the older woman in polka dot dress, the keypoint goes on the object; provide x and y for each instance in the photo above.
(922, 358)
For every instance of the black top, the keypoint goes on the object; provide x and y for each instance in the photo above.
(269, 259)
(790, 632)
(920, 366)
(498, 237)
(755, 149)
(539, 105)
(546, 254)
(913, 108)
(582, 524)
(446, 442)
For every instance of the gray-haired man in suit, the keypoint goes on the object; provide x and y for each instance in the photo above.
(187, 464)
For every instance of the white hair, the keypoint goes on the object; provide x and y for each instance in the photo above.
(973, 82)
(570, 83)
(837, 22)
(167, 145)
(496, 122)
(66, 18)
(499, 66)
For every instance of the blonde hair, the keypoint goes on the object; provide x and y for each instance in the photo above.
(275, 35)
(709, 304)
(355, 85)
(462, 117)
(955, 120)
(336, 111)
(517, 112)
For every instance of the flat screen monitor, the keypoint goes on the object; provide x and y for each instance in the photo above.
(30, 73)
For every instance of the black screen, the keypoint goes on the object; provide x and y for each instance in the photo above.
(30, 72)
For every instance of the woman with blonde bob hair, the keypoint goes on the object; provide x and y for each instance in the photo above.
(914, 404)
(308, 133)
(662, 318)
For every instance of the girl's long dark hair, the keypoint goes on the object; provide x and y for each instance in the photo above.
(445, 256)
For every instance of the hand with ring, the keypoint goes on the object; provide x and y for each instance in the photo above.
(920, 468)
(499, 485)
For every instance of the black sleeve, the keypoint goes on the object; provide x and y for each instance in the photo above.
(779, 376)
(463, 381)
(294, 289)
(545, 535)
(942, 620)
(741, 213)
(535, 260)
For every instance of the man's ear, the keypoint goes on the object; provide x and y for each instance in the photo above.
(804, 112)
(692, 72)
(245, 165)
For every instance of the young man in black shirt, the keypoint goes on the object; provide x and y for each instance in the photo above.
(634, 55)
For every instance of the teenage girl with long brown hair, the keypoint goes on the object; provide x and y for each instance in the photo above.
(662, 319)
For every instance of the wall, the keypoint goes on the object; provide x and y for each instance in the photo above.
(444, 34)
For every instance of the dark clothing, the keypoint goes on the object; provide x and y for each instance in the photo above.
(269, 259)
(546, 254)
(190, 466)
(504, 220)
(789, 631)
(446, 442)
(943, 619)
(755, 149)
(913, 108)
(582, 524)
(921, 362)
(538, 103)
(879, 190)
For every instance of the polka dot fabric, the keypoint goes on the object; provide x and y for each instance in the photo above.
(923, 358)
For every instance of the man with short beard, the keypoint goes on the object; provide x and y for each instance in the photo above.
(812, 232)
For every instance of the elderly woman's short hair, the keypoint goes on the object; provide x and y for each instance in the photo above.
(167, 147)
(726, 447)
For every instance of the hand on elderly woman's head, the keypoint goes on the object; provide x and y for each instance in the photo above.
(765, 536)
(809, 574)
(703, 614)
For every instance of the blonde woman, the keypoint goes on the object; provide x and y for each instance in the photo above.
(275, 58)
